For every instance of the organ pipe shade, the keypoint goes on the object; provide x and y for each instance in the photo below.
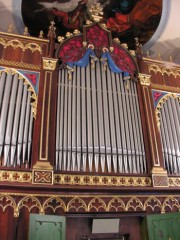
(98, 125)
(170, 134)
(16, 120)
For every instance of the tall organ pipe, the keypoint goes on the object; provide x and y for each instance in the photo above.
(98, 128)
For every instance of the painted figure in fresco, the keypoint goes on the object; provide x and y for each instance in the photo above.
(73, 19)
(124, 14)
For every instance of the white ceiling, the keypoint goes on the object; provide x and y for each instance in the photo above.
(165, 41)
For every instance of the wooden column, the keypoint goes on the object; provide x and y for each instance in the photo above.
(159, 174)
(44, 132)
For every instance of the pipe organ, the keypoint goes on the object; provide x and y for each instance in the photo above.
(98, 122)
(87, 130)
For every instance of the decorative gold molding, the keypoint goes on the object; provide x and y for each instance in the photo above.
(96, 12)
(49, 64)
(160, 180)
(169, 70)
(174, 181)
(159, 177)
(42, 165)
(145, 79)
(14, 176)
(89, 203)
(45, 111)
(160, 104)
(15, 43)
(33, 47)
(24, 37)
(164, 87)
(19, 65)
(88, 180)
(158, 170)
(30, 88)
(42, 177)
(26, 177)
(160, 62)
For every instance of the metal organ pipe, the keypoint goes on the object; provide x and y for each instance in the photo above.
(10, 119)
(101, 120)
(4, 111)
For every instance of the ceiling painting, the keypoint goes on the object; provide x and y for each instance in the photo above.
(127, 19)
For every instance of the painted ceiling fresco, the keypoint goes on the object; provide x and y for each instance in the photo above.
(127, 19)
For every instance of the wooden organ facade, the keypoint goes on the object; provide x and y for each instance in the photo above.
(88, 129)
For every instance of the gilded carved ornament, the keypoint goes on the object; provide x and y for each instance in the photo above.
(96, 12)
(32, 46)
(88, 203)
(30, 88)
(160, 104)
(49, 64)
(19, 65)
(164, 70)
(144, 79)
(14, 44)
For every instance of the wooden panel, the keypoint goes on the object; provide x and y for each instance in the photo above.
(7, 224)
(46, 227)
(161, 226)
(12, 54)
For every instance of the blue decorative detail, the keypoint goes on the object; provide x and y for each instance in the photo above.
(105, 58)
(1, 68)
(157, 95)
(32, 77)
(84, 61)
(114, 68)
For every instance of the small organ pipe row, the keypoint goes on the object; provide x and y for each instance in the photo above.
(98, 123)
(16, 121)
(170, 134)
